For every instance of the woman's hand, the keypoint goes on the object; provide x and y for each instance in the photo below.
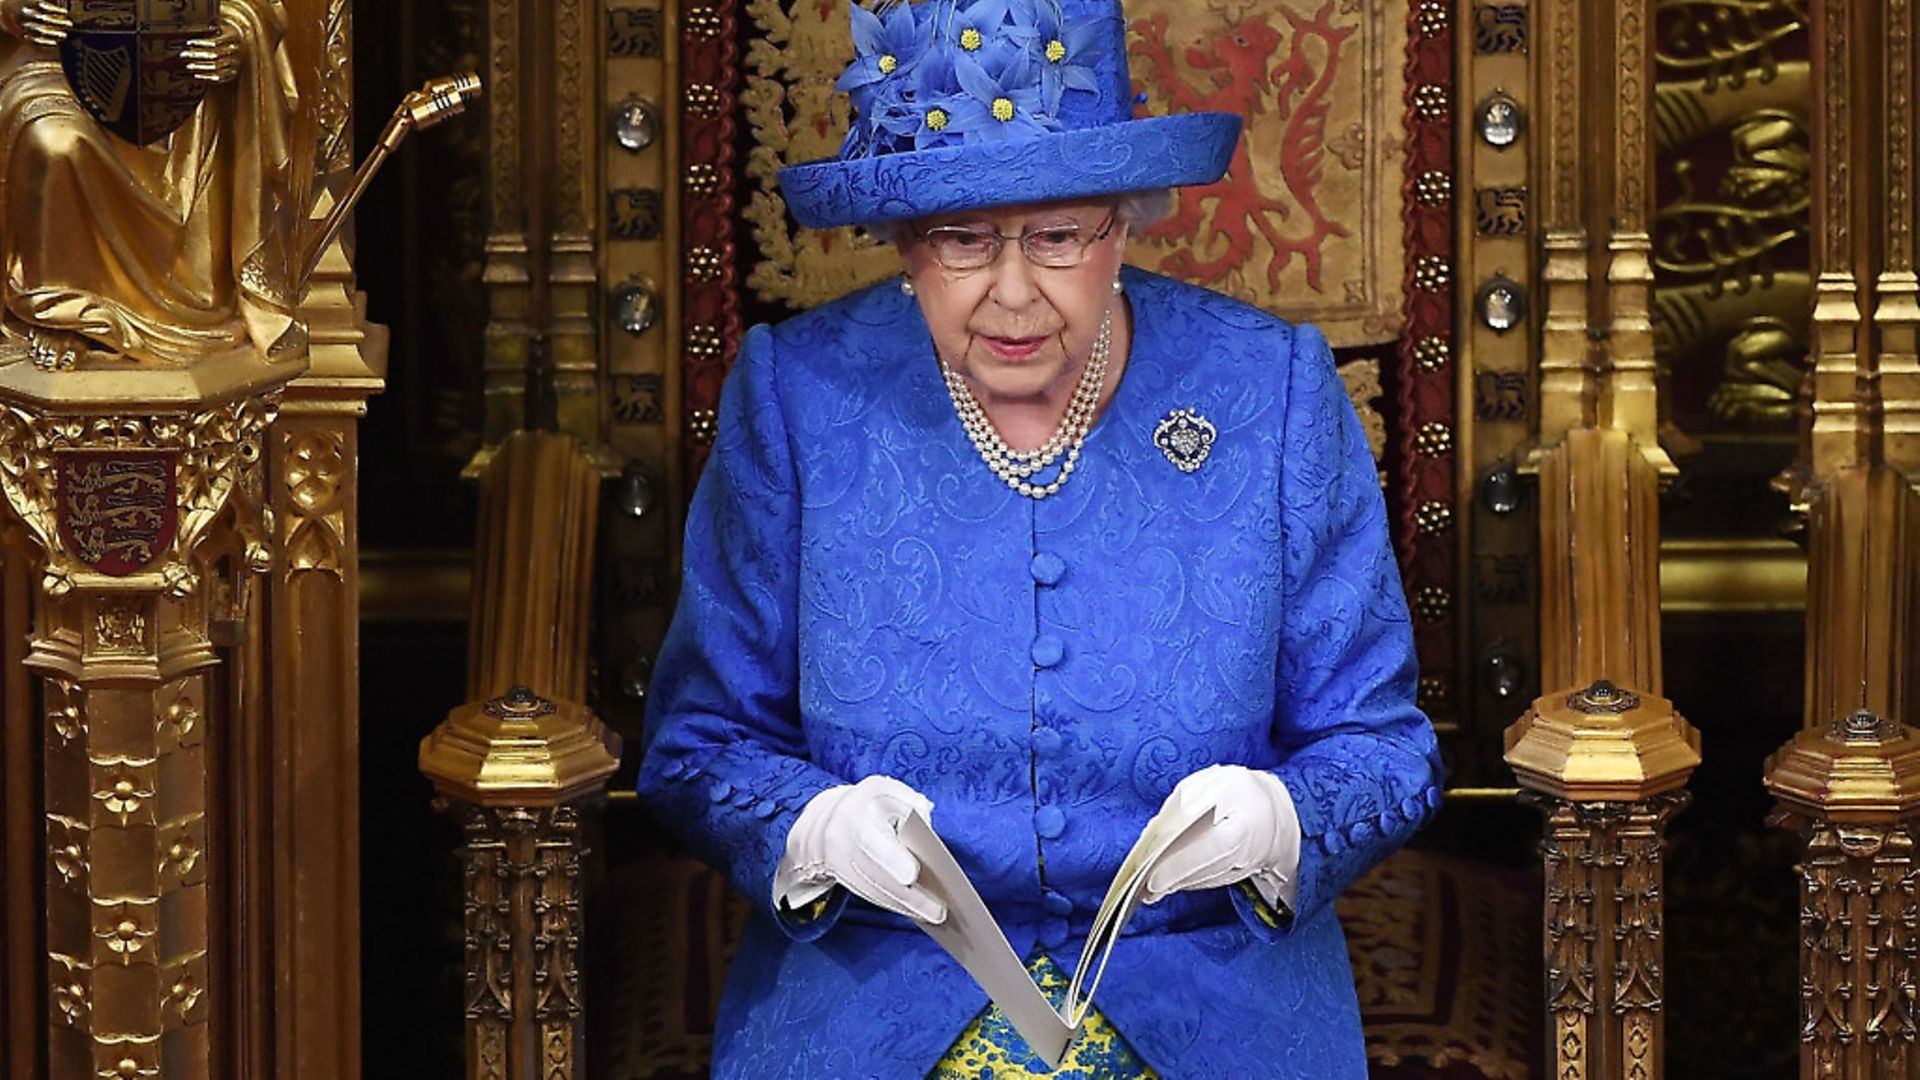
(849, 835)
(43, 22)
(1255, 833)
(214, 59)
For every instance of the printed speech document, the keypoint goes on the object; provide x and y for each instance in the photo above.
(975, 939)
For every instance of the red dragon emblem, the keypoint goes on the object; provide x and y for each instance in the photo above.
(1214, 226)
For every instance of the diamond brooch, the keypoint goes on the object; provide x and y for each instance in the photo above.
(1186, 438)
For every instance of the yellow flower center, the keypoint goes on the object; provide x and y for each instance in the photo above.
(1002, 109)
(1056, 51)
(971, 40)
(889, 64)
(937, 119)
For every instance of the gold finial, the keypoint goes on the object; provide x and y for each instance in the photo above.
(1861, 767)
(1605, 743)
(519, 749)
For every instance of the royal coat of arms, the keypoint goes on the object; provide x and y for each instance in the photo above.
(117, 509)
(123, 60)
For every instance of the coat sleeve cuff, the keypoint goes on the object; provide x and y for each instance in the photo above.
(1269, 921)
(811, 921)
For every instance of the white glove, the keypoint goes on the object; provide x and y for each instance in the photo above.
(849, 835)
(1255, 834)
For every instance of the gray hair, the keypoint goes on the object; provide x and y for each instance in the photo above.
(1135, 209)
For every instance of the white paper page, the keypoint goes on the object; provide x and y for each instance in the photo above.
(1163, 830)
(972, 937)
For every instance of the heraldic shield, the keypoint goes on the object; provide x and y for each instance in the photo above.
(123, 61)
(117, 508)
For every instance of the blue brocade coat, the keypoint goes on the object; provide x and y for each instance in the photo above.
(863, 596)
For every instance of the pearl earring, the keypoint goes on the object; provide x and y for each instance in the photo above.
(1119, 287)
(906, 288)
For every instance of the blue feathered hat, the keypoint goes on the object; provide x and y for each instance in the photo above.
(963, 104)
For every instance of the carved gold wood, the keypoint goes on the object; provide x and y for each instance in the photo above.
(1600, 561)
(195, 833)
(523, 936)
(1606, 765)
(650, 273)
(1847, 783)
(1605, 761)
(524, 756)
(1603, 932)
(302, 687)
(131, 249)
(1494, 383)
(542, 259)
(123, 507)
(1307, 223)
(1866, 396)
(1852, 793)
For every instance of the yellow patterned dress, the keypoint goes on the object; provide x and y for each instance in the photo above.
(990, 1049)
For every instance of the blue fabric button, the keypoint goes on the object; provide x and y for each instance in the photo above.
(1334, 843)
(1046, 742)
(720, 790)
(1433, 798)
(1047, 650)
(1360, 831)
(1049, 822)
(1056, 903)
(1053, 933)
(1048, 568)
(1385, 822)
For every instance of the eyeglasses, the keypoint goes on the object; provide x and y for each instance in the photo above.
(1055, 247)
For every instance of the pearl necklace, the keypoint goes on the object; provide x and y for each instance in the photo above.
(1017, 467)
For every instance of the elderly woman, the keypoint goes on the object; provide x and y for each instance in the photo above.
(1034, 543)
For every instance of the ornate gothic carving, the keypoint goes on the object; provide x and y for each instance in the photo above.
(1605, 988)
(316, 470)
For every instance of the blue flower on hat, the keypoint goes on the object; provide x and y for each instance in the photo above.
(883, 50)
(1064, 48)
(994, 107)
(941, 89)
(952, 72)
(978, 25)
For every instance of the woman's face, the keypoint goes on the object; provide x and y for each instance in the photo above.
(1016, 329)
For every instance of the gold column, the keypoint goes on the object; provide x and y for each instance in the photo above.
(1603, 754)
(120, 475)
(1852, 792)
(304, 769)
(524, 758)
(1606, 765)
(1849, 782)
(521, 767)
(544, 182)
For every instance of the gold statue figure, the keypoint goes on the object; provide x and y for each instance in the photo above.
(162, 253)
